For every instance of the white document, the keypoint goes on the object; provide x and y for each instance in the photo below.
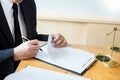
(74, 60)
(33, 73)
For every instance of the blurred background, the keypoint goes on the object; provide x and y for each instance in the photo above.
(84, 22)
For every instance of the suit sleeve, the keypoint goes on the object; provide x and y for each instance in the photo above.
(6, 62)
(6, 55)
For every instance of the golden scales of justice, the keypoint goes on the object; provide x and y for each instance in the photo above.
(108, 59)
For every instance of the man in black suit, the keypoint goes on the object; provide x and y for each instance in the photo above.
(10, 52)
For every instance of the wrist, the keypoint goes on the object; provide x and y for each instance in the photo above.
(16, 58)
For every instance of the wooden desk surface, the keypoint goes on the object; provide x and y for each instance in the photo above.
(98, 71)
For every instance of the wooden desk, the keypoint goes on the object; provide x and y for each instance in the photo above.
(98, 71)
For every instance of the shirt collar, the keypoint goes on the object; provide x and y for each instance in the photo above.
(7, 4)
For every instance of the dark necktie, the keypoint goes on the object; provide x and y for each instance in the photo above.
(18, 39)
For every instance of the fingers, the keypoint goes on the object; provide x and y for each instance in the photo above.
(56, 37)
(33, 47)
(29, 49)
(26, 50)
(60, 44)
(63, 44)
(59, 41)
(34, 42)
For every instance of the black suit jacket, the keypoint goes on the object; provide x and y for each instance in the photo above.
(28, 9)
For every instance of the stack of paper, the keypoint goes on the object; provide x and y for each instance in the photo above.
(74, 60)
(33, 73)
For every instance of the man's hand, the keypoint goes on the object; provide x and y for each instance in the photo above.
(26, 50)
(59, 41)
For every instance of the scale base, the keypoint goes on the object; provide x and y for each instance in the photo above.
(108, 60)
(112, 63)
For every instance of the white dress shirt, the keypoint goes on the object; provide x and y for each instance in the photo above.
(8, 11)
